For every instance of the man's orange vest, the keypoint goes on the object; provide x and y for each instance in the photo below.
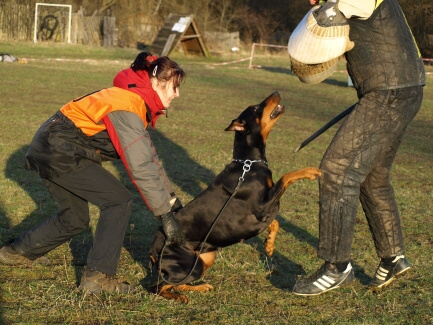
(86, 112)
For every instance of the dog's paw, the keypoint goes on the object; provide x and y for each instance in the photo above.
(205, 287)
(168, 294)
(202, 287)
(312, 173)
(175, 296)
(182, 298)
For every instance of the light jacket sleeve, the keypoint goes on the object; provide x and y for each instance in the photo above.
(137, 152)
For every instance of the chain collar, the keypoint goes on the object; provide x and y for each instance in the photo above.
(247, 165)
(249, 162)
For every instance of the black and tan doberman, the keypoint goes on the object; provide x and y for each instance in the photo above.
(241, 202)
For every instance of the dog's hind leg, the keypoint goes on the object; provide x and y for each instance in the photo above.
(208, 259)
(272, 235)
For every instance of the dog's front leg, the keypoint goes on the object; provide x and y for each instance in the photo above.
(208, 259)
(202, 287)
(287, 179)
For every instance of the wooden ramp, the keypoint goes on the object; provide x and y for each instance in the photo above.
(179, 29)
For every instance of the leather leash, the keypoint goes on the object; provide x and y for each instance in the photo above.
(344, 113)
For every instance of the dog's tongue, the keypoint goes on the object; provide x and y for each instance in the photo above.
(279, 109)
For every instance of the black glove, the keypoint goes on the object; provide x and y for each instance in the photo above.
(177, 205)
(328, 15)
(172, 229)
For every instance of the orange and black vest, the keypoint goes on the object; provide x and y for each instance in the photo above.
(76, 136)
(86, 112)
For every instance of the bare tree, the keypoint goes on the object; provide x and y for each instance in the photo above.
(202, 10)
(256, 27)
(226, 11)
(419, 15)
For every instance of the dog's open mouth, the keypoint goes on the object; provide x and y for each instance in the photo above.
(278, 110)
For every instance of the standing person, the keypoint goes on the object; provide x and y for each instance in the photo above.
(67, 152)
(388, 75)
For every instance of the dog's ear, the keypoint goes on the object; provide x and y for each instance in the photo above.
(236, 125)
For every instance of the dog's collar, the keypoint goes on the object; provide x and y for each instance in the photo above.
(247, 166)
(249, 162)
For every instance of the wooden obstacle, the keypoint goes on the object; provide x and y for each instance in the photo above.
(179, 29)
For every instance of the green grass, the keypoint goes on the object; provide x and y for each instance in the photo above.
(249, 288)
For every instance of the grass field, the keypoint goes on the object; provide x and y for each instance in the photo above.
(249, 287)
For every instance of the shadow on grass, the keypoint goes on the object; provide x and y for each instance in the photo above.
(285, 271)
(3, 225)
(335, 82)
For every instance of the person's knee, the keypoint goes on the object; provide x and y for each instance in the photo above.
(72, 221)
(121, 207)
(343, 182)
(377, 180)
(332, 175)
(127, 203)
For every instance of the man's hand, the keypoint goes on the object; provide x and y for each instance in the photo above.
(172, 229)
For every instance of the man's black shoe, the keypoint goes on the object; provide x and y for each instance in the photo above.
(325, 279)
(385, 274)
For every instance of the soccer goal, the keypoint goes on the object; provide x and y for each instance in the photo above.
(269, 56)
(52, 22)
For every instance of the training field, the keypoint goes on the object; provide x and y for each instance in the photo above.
(249, 287)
